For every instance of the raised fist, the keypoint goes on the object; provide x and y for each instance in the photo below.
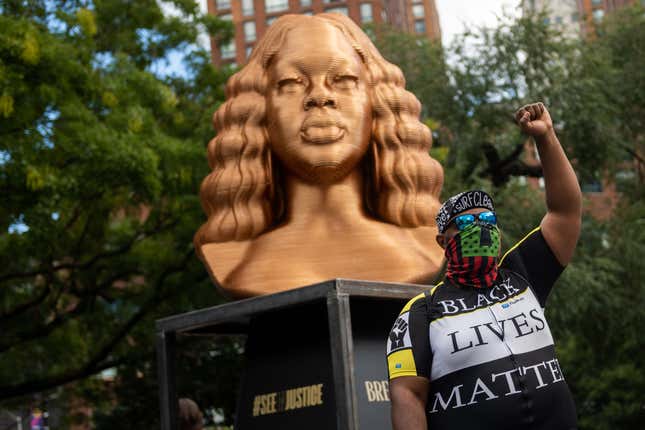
(534, 119)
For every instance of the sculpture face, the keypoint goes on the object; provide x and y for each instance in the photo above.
(320, 167)
(318, 108)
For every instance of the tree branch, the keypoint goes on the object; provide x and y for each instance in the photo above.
(23, 307)
(96, 363)
(121, 250)
(30, 387)
(633, 153)
(55, 268)
(41, 331)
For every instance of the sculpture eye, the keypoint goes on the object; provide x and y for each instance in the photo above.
(290, 84)
(346, 82)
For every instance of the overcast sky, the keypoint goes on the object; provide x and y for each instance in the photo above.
(455, 14)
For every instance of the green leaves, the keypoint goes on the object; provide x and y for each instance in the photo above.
(592, 87)
(218, 28)
(31, 49)
(101, 181)
(6, 105)
(87, 21)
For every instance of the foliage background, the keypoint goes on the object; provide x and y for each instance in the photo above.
(101, 156)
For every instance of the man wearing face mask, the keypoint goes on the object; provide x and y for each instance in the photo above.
(475, 351)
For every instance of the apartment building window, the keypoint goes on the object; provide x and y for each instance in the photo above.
(249, 50)
(249, 31)
(305, 3)
(276, 5)
(223, 4)
(226, 17)
(228, 50)
(366, 12)
(598, 15)
(418, 11)
(342, 10)
(247, 7)
(420, 26)
(593, 186)
(271, 19)
(596, 2)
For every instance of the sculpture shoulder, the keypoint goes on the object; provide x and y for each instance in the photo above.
(288, 257)
(221, 258)
(379, 251)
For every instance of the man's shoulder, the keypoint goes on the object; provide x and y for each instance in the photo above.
(508, 259)
(413, 303)
(419, 301)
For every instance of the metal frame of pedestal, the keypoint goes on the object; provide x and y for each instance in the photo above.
(234, 318)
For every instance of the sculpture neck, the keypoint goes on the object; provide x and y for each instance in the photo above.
(338, 204)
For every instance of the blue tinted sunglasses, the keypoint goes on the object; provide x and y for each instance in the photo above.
(463, 221)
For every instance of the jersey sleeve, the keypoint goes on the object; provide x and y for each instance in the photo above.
(533, 259)
(408, 345)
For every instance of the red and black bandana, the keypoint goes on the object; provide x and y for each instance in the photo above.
(472, 257)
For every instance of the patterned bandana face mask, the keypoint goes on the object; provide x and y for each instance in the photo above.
(472, 256)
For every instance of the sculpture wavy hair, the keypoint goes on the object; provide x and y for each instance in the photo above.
(241, 195)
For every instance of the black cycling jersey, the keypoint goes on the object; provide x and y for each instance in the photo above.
(488, 352)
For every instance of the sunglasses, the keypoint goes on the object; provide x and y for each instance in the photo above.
(463, 221)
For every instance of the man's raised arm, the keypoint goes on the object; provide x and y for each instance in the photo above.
(561, 224)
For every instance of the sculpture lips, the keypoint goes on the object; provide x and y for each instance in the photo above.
(320, 130)
(322, 135)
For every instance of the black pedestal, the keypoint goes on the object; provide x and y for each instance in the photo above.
(315, 355)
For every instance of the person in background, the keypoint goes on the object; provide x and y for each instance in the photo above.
(190, 417)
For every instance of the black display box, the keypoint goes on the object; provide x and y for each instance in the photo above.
(315, 356)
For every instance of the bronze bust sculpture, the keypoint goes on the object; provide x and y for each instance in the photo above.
(320, 167)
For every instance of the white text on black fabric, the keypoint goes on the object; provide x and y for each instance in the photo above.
(539, 375)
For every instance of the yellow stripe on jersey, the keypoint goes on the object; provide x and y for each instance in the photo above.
(518, 244)
(409, 304)
(401, 363)
(435, 287)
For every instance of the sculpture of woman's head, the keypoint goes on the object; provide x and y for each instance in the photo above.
(317, 108)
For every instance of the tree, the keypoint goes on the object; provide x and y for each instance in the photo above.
(620, 42)
(489, 72)
(101, 157)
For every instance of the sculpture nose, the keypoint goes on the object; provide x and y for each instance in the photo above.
(319, 97)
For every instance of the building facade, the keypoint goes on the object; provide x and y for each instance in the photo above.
(576, 17)
(593, 11)
(564, 14)
(251, 18)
